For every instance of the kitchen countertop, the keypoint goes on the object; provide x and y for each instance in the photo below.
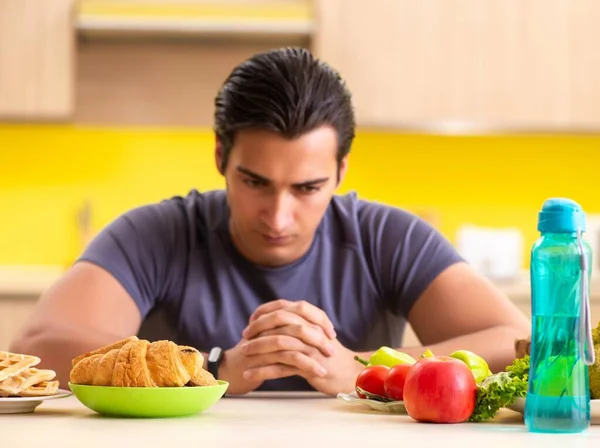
(519, 289)
(31, 281)
(27, 281)
(268, 419)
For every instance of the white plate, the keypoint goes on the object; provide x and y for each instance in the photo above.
(23, 405)
(519, 406)
(390, 406)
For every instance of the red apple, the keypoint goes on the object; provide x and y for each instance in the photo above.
(394, 382)
(440, 389)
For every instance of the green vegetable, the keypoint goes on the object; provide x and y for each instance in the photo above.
(501, 389)
(594, 375)
(476, 363)
(520, 367)
(594, 370)
(596, 335)
(386, 356)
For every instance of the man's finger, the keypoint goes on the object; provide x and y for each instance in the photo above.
(269, 307)
(271, 372)
(308, 334)
(276, 319)
(308, 311)
(272, 343)
(315, 315)
(298, 360)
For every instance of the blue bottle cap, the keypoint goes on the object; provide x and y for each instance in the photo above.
(561, 215)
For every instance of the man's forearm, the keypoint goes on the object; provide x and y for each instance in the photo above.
(496, 345)
(57, 348)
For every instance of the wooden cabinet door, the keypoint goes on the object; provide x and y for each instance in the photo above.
(37, 39)
(528, 64)
(585, 62)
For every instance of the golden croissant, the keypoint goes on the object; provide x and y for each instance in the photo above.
(134, 362)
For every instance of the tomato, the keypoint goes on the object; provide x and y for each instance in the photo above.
(394, 382)
(372, 380)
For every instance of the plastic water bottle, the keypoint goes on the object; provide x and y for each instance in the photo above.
(558, 396)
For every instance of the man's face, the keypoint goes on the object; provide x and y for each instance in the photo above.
(278, 191)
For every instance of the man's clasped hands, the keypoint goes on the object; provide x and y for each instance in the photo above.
(286, 338)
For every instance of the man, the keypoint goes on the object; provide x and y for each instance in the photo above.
(288, 279)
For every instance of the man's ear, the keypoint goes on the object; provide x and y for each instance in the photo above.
(219, 155)
(342, 170)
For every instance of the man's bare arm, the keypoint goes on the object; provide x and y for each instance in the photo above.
(463, 310)
(84, 310)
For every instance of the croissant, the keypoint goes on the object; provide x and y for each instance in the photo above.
(134, 362)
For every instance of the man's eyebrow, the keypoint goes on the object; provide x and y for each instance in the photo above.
(252, 174)
(260, 178)
(312, 182)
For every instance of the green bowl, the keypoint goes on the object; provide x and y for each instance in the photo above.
(149, 402)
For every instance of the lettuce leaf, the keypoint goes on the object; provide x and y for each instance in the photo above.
(519, 368)
(501, 389)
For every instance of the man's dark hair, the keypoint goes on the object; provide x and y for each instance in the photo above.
(287, 91)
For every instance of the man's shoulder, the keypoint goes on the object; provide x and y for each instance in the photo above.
(196, 200)
(206, 207)
(377, 228)
(146, 248)
(401, 250)
(365, 213)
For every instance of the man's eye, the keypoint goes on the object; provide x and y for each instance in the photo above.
(307, 189)
(253, 183)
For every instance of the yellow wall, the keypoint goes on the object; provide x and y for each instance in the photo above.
(46, 172)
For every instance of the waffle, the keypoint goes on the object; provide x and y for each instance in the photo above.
(24, 380)
(19, 377)
(41, 390)
(14, 363)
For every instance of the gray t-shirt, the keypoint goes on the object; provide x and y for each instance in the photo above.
(367, 266)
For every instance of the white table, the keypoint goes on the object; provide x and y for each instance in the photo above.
(269, 420)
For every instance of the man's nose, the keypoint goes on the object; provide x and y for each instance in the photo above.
(279, 214)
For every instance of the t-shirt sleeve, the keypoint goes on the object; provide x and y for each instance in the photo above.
(139, 249)
(406, 253)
